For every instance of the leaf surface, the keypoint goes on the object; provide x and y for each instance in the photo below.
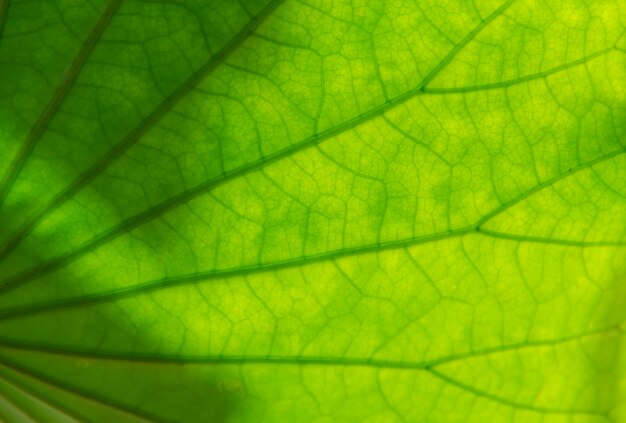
(312, 210)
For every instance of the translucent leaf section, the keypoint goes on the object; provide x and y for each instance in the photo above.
(312, 211)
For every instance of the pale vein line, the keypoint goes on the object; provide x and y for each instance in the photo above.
(34, 135)
(37, 397)
(64, 386)
(8, 407)
(186, 196)
(133, 136)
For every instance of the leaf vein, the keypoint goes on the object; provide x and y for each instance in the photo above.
(40, 126)
(200, 189)
(133, 136)
(63, 386)
(509, 403)
(305, 360)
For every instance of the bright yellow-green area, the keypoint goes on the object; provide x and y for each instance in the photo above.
(313, 211)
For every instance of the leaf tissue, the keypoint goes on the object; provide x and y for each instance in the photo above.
(313, 211)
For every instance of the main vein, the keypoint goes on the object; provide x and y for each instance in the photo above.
(185, 279)
(200, 189)
(430, 366)
(54, 264)
(511, 403)
(163, 283)
(129, 140)
(40, 126)
(305, 360)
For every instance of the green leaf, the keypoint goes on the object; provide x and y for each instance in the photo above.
(312, 210)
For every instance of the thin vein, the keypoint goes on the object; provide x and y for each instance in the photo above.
(302, 360)
(436, 373)
(40, 126)
(509, 403)
(62, 385)
(521, 80)
(428, 366)
(188, 195)
(548, 183)
(133, 136)
(551, 241)
(50, 266)
(464, 42)
(164, 283)
(54, 264)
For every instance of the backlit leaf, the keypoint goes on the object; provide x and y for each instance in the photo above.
(312, 210)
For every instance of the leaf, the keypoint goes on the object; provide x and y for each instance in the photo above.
(308, 210)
